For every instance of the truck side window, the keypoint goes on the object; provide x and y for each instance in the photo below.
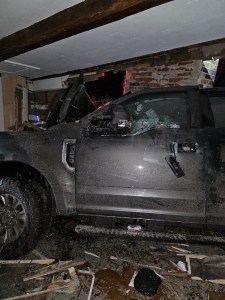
(157, 111)
(111, 120)
(218, 109)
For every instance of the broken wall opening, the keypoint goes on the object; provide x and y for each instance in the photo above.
(103, 86)
(212, 73)
(107, 87)
(208, 73)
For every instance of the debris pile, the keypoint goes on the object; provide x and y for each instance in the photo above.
(100, 268)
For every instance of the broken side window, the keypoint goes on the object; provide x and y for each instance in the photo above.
(157, 111)
(111, 120)
(140, 114)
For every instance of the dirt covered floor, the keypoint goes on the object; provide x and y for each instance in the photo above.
(113, 261)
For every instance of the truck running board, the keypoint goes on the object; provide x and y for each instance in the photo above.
(150, 235)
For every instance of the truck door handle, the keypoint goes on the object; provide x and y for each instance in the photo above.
(174, 166)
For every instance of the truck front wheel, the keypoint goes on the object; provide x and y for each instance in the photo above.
(21, 221)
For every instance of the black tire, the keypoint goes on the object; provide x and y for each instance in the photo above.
(23, 216)
(45, 206)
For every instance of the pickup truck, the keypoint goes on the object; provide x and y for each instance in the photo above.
(153, 156)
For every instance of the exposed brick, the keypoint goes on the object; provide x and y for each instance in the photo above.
(184, 74)
(165, 69)
(147, 76)
(183, 69)
(134, 84)
(185, 62)
(164, 82)
(175, 79)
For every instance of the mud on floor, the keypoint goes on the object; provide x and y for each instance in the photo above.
(114, 262)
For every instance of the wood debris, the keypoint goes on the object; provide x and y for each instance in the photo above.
(89, 272)
(177, 250)
(135, 263)
(59, 267)
(188, 257)
(91, 254)
(174, 289)
(209, 267)
(61, 286)
(28, 295)
(27, 261)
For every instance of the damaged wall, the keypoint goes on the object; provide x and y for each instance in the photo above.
(177, 67)
(44, 93)
(138, 77)
(41, 102)
(146, 76)
(12, 92)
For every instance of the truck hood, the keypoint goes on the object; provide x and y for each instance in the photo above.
(74, 104)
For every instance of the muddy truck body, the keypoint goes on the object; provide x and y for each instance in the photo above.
(152, 156)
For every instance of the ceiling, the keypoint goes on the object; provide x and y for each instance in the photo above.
(172, 25)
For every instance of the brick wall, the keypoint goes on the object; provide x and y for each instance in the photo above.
(145, 76)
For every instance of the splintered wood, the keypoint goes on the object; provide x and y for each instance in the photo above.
(59, 267)
(28, 295)
(27, 261)
(69, 284)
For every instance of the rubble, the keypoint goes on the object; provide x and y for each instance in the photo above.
(208, 268)
(97, 268)
(89, 272)
(56, 268)
(181, 266)
(216, 295)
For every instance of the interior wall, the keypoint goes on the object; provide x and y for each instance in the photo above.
(2, 127)
(12, 91)
(41, 102)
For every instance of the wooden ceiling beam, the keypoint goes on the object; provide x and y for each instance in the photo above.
(82, 17)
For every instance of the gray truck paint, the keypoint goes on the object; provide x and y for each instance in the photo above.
(119, 174)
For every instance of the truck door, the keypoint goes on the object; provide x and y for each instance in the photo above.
(141, 159)
(215, 160)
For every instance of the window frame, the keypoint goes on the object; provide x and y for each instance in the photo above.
(163, 95)
(134, 97)
(215, 95)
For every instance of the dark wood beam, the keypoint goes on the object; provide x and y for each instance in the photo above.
(84, 16)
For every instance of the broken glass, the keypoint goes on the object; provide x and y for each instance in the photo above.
(158, 111)
(140, 115)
